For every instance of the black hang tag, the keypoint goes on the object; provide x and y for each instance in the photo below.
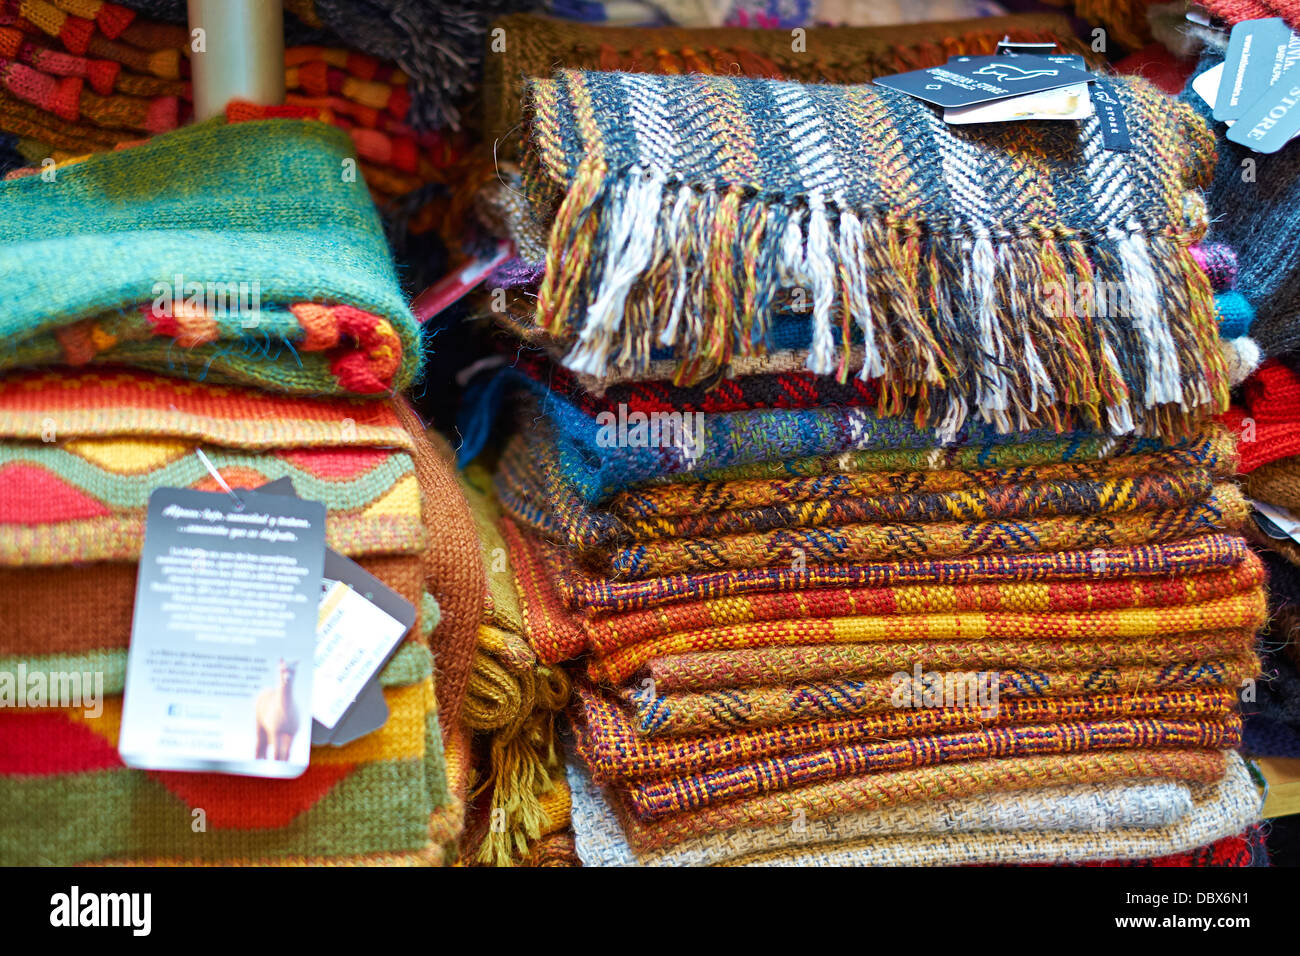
(1110, 114)
(1010, 47)
(980, 79)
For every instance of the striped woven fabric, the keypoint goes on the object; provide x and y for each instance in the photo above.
(939, 782)
(1243, 612)
(655, 799)
(684, 713)
(612, 745)
(802, 184)
(550, 582)
(598, 460)
(1044, 598)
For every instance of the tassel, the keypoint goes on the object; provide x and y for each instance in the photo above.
(629, 247)
(669, 335)
(819, 268)
(1163, 383)
(856, 293)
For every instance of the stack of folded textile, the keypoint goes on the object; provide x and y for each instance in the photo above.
(868, 553)
(294, 376)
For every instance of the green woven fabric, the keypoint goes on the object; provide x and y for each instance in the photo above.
(274, 204)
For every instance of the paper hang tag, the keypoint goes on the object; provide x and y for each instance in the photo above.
(219, 671)
(1009, 47)
(980, 79)
(1277, 523)
(1273, 121)
(1260, 55)
(1207, 85)
(360, 626)
(1065, 103)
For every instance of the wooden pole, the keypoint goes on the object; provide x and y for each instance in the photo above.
(236, 53)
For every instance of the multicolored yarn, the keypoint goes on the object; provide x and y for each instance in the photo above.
(594, 166)
(655, 799)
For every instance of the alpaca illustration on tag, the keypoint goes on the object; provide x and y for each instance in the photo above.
(277, 716)
(1006, 73)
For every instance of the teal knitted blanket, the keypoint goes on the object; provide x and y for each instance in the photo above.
(247, 253)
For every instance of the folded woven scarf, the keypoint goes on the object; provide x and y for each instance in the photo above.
(1221, 809)
(598, 458)
(225, 251)
(1072, 808)
(655, 799)
(1244, 612)
(550, 583)
(616, 750)
(693, 712)
(700, 510)
(777, 195)
(1277, 483)
(785, 664)
(1223, 509)
(1046, 599)
(840, 55)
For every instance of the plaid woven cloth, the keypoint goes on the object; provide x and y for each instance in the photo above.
(681, 206)
(231, 252)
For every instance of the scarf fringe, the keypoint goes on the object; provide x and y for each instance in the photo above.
(1018, 331)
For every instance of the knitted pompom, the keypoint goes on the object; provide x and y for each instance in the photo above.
(164, 114)
(1241, 356)
(1235, 314)
(76, 33)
